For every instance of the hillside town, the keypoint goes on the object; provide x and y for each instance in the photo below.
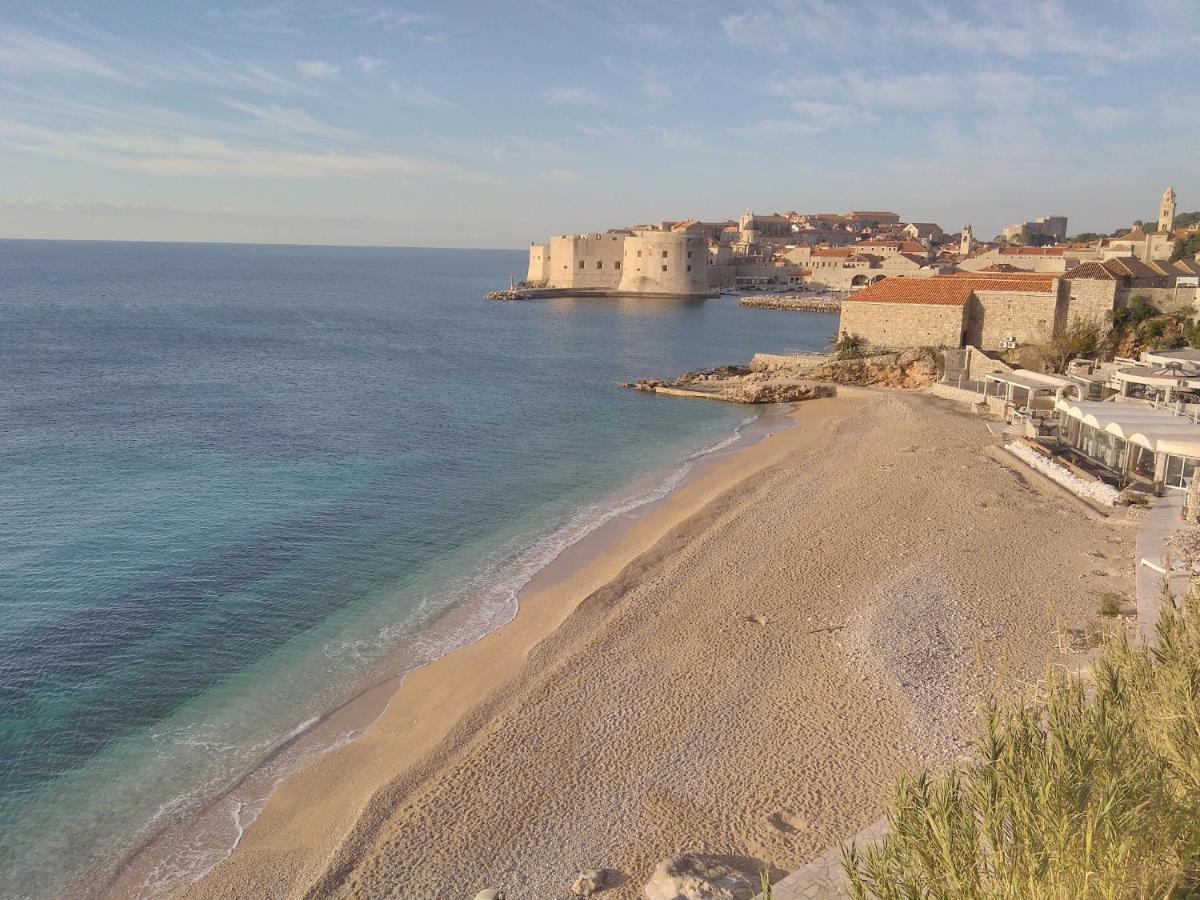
(901, 283)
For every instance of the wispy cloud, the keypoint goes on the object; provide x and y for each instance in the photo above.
(412, 94)
(289, 120)
(1102, 118)
(289, 17)
(24, 53)
(561, 176)
(319, 68)
(202, 156)
(370, 65)
(681, 141)
(571, 96)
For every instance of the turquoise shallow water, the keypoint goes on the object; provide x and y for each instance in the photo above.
(237, 482)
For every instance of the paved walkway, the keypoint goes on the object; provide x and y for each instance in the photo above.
(823, 879)
(1165, 516)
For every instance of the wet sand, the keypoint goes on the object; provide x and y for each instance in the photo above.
(746, 670)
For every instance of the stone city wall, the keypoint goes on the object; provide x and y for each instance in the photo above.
(903, 324)
(591, 261)
(539, 264)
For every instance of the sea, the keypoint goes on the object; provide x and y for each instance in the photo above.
(241, 483)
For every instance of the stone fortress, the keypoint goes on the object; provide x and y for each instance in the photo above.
(902, 283)
(668, 262)
(691, 258)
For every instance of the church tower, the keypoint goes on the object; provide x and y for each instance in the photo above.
(964, 246)
(1166, 212)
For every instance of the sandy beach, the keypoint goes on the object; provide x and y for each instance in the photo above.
(746, 670)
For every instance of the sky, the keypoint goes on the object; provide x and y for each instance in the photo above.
(493, 124)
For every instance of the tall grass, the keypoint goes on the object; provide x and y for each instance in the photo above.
(1094, 793)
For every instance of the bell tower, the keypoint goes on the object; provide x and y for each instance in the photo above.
(964, 246)
(1166, 212)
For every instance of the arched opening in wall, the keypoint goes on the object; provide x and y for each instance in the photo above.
(878, 278)
(858, 280)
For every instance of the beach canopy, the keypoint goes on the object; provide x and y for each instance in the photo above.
(1157, 430)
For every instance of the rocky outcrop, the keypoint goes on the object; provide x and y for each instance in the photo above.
(905, 369)
(787, 379)
(695, 876)
(589, 883)
(793, 303)
(747, 388)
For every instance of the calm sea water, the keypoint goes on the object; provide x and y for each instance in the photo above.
(235, 481)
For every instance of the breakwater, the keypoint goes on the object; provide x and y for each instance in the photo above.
(794, 303)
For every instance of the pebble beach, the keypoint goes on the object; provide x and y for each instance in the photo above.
(744, 669)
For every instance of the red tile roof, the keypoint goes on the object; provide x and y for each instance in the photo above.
(952, 290)
(1093, 270)
(1032, 251)
(922, 291)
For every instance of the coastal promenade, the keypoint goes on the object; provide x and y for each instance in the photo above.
(716, 679)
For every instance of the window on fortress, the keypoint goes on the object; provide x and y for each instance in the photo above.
(664, 268)
(689, 268)
(617, 264)
(599, 264)
(581, 264)
(664, 254)
(689, 254)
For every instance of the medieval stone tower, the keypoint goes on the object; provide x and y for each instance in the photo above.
(1166, 212)
(964, 246)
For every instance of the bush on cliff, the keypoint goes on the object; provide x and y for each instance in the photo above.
(1095, 794)
(849, 346)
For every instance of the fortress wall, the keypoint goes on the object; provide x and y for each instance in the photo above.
(665, 262)
(590, 261)
(539, 264)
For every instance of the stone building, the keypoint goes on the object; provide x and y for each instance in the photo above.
(852, 268)
(991, 311)
(1003, 309)
(1053, 260)
(1098, 288)
(1053, 228)
(669, 262)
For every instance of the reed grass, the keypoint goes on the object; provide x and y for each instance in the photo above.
(1093, 793)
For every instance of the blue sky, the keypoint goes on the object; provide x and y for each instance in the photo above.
(490, 124)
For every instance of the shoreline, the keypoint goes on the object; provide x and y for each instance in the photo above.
(745, 670)
(579, 570)
(315, 738)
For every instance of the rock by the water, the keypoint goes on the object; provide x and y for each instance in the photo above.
(589, 882)
(695, 876)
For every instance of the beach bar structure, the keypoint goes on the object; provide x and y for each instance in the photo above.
(1131, 439)
(1164, 376)
(1023, 389)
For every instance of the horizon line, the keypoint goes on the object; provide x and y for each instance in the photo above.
(257, 244)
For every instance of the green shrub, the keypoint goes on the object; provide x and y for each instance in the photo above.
(1094, 794)
(849, 346)
(1110, 604)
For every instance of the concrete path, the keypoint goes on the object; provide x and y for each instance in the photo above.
(1165, 516)
(823, 879)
